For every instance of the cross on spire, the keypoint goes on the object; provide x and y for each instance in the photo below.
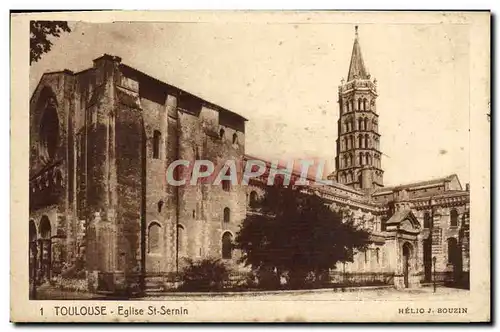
(357, 69)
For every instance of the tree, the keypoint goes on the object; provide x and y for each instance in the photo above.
(40, 31)
(298, 236)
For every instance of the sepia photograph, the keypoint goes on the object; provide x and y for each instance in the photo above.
(322, 157)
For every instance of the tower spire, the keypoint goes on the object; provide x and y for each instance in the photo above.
(357, 69)
(358, 160)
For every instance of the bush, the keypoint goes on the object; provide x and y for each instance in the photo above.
(205, 275)
(75, 285)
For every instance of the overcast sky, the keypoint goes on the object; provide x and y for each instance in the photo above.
(284, 79)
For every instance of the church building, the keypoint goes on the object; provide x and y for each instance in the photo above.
(100, 207)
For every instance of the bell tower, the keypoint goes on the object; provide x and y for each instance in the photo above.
(358, 160)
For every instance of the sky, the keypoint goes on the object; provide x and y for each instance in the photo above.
(284, 77)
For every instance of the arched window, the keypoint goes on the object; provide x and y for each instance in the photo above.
(235, 138)
(253, 199)
(365, 123)
(156, 144)
(227, 246)
(227, 215)
(160, 205)
(364, 106)
(359, 104)
(49, 130)
(453, 250)
(221, 133)
(361, 158)
(154, 240)
(351, 141)
(367, 141)
(181, 240)
(343, 178)
(368, 158)
(349, 177)
(346, 126)
(347, 106)
(360, 141)
(45, 228)
(427, 220)
(352, 104)
(32, 231)
(344, 161)
(343, 144)
(453, 218)
(360, 124)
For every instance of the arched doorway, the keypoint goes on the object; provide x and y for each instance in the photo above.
(407, 250)
(455, 258)
(45, 245)
(32, 250)
(427, 246)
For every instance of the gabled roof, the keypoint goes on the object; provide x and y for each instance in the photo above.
(357, 67)
(398, 216)
(404, 220)
(425, 183)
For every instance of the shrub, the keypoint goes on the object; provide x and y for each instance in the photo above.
(205, 275)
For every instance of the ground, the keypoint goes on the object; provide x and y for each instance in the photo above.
(379, 294)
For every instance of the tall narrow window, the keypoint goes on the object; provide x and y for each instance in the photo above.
(377, 253)
(181, 240)
(154, 241)
(360, 124)
(235, 138)
(227, 245)
(453, 218)
(360, 141)
(367, 141)
(253, 199)
(361, 158)
(221, 133)
(226, 183)
(364, 106)
(365, 123)
(156, 144)
(359, 104)
(227, 215)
